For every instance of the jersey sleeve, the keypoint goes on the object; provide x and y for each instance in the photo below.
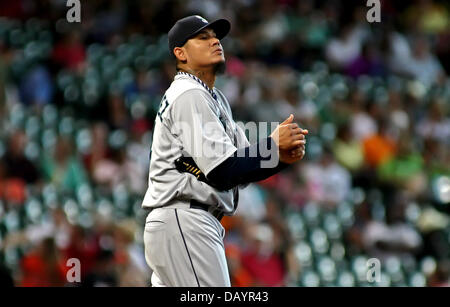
(241, 137)
(198, 128)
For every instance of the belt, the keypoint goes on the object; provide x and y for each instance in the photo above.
(215, 212)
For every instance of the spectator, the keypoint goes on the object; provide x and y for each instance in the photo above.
(129, 256)
(423, 65)
(435, 125)
(405, 169)
(119, 169)
(394, 237)
(344, 49)
(15, 164)
(108, 21)
(36, 86)
(428, 16)
(62, 168)
(327, 182)
(118, 117)
(239, 275)
(138, 148)
(348, 152)
(43, 266)
(368, 62)
(432, 225)
(84, 246)
(362, 124)
(99, 147)
(252, 206)
(145, 84)
(57, 228)
(396, 49)
(260, 260)
(6, 56)
(379, 147)
(436, 159)
(70, 52)
(273, 26)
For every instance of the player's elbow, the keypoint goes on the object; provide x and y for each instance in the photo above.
(222, 177)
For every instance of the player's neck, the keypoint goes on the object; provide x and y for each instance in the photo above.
(207, 76)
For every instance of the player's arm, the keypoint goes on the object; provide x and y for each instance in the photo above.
(250, 164)
(243, 168)
(210, 148)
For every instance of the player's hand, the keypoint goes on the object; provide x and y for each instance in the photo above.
(293, 155)
(289, 135)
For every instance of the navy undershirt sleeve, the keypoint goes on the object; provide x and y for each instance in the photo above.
(245, 165)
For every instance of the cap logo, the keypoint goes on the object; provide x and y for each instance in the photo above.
(202, 19)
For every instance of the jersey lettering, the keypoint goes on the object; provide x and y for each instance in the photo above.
(164, 104)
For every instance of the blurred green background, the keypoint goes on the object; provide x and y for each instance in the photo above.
(78, 102)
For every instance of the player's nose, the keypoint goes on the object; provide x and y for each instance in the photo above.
(215, 41)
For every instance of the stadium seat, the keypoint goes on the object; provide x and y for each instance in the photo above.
(310, 278)
(428, 265)
(345, 279)
(48, 140)
(32, 151)
(304, 254)
(50, 196)
(85, 196)
(332, 226)
(417, 279)
(296, 226)
(337, 252)
(49, 116)
(345, 214)
(359, 268)
(311, 214)
(32, 127)
(34, 210)
(83, 140)
(327, 269)
(319, 241)
(393, 267)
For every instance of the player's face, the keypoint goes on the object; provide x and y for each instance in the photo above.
(204, 49)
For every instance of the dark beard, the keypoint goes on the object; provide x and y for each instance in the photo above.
(219, 68)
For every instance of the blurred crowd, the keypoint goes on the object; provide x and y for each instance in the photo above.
(78, 102)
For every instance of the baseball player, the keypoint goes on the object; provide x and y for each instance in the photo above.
(199, 159)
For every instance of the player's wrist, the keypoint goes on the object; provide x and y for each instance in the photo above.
(275, 140)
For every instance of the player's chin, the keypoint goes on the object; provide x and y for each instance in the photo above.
(217, 58)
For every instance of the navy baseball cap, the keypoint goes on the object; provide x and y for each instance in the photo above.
(188, 27)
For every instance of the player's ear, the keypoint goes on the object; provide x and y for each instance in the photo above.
(180, 54)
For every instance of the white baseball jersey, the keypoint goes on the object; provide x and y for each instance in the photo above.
(193, 121)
